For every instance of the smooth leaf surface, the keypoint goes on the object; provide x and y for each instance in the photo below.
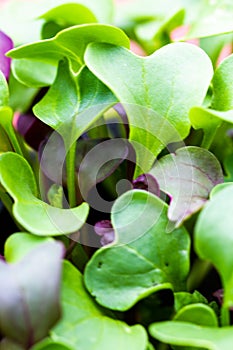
(36, 216)
(200, 314)
(157, 92)
(33, 74)
(223, 85)
(85, 325)
(187, 176)
(144, 257)
(70, 43)
(213, 238)
(49, 344)
(69, 15)
(31, 294)
(73, 103)
(27, 28)
(211, 18)
(187, 334)
(20, 244)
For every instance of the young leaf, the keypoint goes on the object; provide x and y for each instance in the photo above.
(187, 176)
(85, 325)
(143, 259)
(36, 216)
(20, 244)
(200, 314)
(70, 43)
(70, 14)
(27, 312)
(6, 121)
(157, 91)
(213, 237)
(187, 334)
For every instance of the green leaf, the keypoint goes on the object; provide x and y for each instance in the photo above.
(49, 344)
(144, 257)
(4, 92)
(20, 244)
(211, 18)
(157, 91)
(187, 176)
(6, 121)
(184, 298)
(200, 314)
(5, 144)
(72, 103)
(85, 325)
(23, 301)
(213, 238)
(70, 43)
(36, 216)
(223, 86)
(187, 334)
(69, 15)
(33, 74)
(27, 28)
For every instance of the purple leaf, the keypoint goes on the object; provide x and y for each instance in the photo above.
(6, 44)
(29, 294)
(105, 230)
(148, 183)
(187, 176)
(31, 128)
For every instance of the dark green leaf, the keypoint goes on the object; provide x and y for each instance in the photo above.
(36, 216)
(144, 257)
(85, 325)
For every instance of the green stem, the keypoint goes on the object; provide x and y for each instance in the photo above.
(199, 271)
(225, 317)
(71, 177)
(208, 138)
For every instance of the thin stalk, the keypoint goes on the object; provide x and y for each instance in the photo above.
(208, 138)
(198, 272)
(225, 316)
(71, 178)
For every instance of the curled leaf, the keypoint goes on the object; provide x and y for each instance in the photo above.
(187, 176)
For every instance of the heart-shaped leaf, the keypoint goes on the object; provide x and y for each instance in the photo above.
(157, 91)
(143, 259)
(187, 176)
(71, 105)
(20, 244)
(31, 294)
(85, 325)
(70, 43)
(187, 334)
(36, 216)
(213, 238)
